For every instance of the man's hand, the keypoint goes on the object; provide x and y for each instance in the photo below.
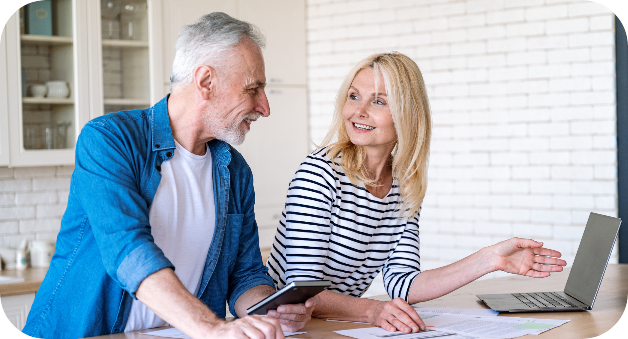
(254, 327)
(526, 257)
(294, 317)
(396, 315)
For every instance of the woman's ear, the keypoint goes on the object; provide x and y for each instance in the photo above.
(205, 81)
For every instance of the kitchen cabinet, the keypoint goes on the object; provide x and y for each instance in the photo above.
(4, 108)
(100, 74)
(16, 308)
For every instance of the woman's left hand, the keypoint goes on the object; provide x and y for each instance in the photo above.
(526, 257)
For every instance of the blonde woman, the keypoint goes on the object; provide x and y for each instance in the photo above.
(352, 208)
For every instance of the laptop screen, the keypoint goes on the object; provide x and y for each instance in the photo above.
(592, 256)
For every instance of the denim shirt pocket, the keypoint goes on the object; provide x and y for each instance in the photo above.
(231, 243)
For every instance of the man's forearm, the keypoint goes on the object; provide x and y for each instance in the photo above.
(164, 294)
(251, 297)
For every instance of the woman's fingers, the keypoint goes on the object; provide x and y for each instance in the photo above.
(398, 313)
(414, 321)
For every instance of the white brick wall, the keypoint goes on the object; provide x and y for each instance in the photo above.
(523, 101)
(32, 202)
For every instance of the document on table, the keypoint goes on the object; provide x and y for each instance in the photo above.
(463, 326)
(174, 333)
(430, 312)
(480, 312)
(498, 327)
(380, 333)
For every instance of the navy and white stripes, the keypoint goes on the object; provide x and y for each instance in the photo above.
(331, 229)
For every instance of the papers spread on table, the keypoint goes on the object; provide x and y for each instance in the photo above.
(174, 333)
(380, 333)
(431, 311)
(497, 327)
(463, 326)
(480, 312)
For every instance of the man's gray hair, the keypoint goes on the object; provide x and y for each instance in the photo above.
(208, 41)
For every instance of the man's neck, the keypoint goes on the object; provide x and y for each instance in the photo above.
(186, 122)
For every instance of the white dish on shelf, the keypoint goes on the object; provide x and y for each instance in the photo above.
(38, 91)
(58, 89)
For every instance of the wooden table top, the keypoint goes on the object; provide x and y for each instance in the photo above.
(608, 308)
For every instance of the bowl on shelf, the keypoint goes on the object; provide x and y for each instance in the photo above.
(38, 91)
(58, 89)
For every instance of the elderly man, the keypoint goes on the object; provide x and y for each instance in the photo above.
(159, 189)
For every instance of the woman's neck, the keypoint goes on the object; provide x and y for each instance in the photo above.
(379, 167)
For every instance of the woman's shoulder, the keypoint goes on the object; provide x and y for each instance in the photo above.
(320, 158)
(318, 163)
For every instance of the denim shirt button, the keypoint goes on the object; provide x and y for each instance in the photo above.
(157, 145)
(158, 168)
(169, 154)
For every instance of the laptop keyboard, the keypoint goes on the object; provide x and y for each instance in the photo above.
(543, 300)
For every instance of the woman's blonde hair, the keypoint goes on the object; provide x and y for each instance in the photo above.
(410, 110)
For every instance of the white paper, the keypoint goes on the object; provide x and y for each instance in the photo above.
(380, 333)
(175, 333)
(480, 312)
(428, 312)
(499, 327)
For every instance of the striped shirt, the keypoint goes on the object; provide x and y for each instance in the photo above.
(331, 229)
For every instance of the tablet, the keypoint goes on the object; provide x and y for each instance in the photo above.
(297, 292)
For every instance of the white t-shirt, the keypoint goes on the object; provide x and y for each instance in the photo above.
(182, 219)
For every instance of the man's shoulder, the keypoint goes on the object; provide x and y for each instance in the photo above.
(121, 125)
(121, 118)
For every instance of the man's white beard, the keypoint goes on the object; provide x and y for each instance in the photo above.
(230, 133)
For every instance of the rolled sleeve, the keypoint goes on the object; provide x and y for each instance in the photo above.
(139, 264)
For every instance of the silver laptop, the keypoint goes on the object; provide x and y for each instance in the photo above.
(584, 279)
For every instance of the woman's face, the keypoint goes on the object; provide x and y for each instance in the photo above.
(366, 113)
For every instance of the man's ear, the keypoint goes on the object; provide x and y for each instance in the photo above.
(205, 81)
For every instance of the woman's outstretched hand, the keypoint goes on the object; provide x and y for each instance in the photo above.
(526, 257)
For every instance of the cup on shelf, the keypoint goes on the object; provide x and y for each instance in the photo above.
(49, 138)
(58, 89)
(60, 132)
(38, 91)
(30, 136)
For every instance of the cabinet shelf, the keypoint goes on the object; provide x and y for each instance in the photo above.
(49, 101)
(46, 39)
(124, 43)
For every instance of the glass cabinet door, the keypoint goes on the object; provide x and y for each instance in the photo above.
(125, 59)
(47, 75)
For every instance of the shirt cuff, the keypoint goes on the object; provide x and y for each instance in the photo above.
(139, 264)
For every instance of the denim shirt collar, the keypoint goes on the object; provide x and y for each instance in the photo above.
(161, 133)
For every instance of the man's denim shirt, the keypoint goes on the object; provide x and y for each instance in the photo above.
(105, 248)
